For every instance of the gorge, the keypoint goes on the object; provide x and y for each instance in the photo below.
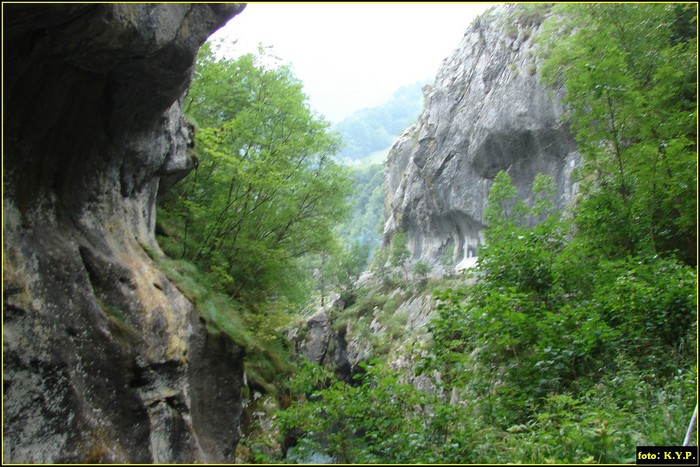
(131, 339)
(487, 111)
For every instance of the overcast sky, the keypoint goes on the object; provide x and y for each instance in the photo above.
(353, 55)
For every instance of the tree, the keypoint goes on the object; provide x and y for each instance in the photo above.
(268, 190)
(338, 268)
(366, 220)
(348, 266)
(629, 72)
(522, 242)
(421, 269)
(400, 252)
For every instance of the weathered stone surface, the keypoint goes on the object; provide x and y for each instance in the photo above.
(337, 347)
(487, 111)
(104, 359)
(319, 334)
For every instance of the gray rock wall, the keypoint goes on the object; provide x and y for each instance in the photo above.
(320, 340)
(487, 111)
(104, 359)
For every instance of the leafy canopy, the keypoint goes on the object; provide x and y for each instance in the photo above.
(267, 190)
(629, 71)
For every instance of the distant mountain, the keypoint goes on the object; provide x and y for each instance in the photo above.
(376, 128)
(364, 225)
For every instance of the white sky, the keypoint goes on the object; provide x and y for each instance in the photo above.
(353, 55)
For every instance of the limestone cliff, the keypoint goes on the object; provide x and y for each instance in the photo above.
(104, 359)
(487, 111)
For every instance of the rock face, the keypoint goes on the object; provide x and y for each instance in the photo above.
(332, 340)
(487, 111)
(321, 341)
(104, 359)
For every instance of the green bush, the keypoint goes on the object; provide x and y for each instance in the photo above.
(546, 317)
(421, 269)
(652, 303)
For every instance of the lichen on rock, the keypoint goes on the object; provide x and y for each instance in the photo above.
(104, 359)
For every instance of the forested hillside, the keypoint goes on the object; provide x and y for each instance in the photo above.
(375, 129)
(574, 338)
(365, 222)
